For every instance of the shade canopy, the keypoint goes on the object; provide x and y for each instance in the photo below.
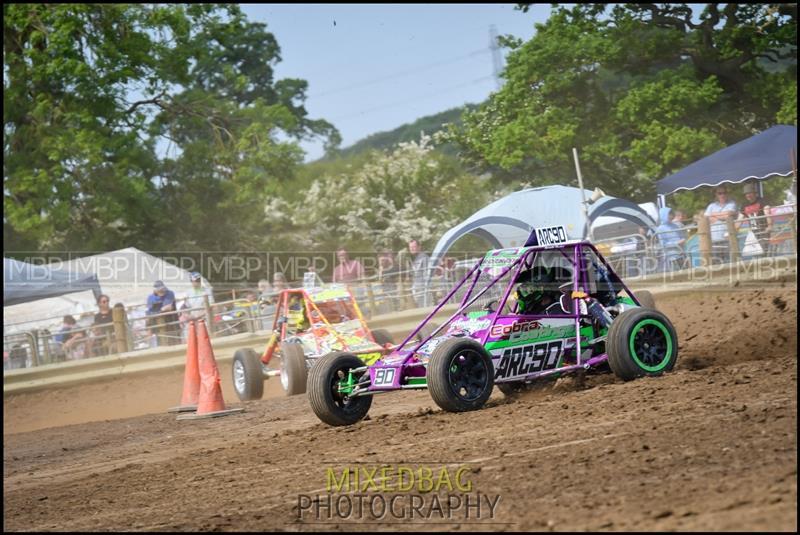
(24, 282)
(126, 276)
(770, 153)
(508, 221)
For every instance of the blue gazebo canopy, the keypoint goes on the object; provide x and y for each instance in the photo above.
(23, 282)
(770, 153)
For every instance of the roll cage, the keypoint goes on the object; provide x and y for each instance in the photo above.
(595, 277)
(289, 322)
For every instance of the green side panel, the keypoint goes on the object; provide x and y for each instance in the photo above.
(416, 381)
(627, 300)
(544, 335)
(586, 334)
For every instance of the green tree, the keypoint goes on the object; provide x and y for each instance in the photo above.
(234, 130)
(75, 172)
(641, 90)
(149, 125)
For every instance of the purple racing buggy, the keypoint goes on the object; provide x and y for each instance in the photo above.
(519, 316)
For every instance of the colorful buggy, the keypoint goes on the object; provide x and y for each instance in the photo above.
(309, 323)
(512, 327)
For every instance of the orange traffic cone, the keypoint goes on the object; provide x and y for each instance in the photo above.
(210, 403)
(191, 377)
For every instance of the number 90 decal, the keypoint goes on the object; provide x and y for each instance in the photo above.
(384, 377)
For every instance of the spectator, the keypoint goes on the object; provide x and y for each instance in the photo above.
(194, 298)
(102, 329)
(163, 300)
(717, 213)
(69, 338)
(419, 271)
(755, 212)
(678, 221)
(672, 240)
(279, 282)
(347, 270)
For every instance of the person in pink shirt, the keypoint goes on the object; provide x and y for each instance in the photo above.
(347, 270)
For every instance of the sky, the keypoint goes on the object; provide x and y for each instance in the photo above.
(374, 67)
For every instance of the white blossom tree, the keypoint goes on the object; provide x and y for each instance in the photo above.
(411, 192)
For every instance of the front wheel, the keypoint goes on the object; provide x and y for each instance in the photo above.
(460, 375)
(248, 377)
(326, 381)
(641, 341)
(294, 372)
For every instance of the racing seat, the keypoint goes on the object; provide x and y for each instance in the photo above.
(565, 301)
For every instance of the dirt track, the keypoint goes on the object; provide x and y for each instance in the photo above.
(711, 446)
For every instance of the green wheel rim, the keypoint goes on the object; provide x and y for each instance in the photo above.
(646, 332)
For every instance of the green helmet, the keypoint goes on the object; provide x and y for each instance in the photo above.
(534, 285)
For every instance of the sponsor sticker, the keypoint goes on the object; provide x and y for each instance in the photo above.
(524, 360)
(551, 235)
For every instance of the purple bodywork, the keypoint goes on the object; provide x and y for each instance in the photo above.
(408, 361)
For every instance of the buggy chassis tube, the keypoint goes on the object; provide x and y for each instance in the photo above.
(437, 309)
(578, 281)
(457, 312)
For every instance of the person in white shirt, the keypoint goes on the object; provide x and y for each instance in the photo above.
(717, 213)
(193, 299)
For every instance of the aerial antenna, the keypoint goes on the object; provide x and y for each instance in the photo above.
(497, 57)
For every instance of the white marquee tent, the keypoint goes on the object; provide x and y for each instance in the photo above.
(126, 276)
(508, 221)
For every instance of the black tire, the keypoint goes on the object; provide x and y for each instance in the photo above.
(641, 341)
(247, 374)
(464, 386)
(382, 337)
(328, 404)
(294, 373)
(646, 299)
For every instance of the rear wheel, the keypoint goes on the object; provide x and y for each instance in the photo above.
(460, 375)
(248, 378)
(294, 372)
(641, 341)
(327, 401)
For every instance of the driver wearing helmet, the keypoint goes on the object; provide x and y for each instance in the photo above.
(536, 292)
